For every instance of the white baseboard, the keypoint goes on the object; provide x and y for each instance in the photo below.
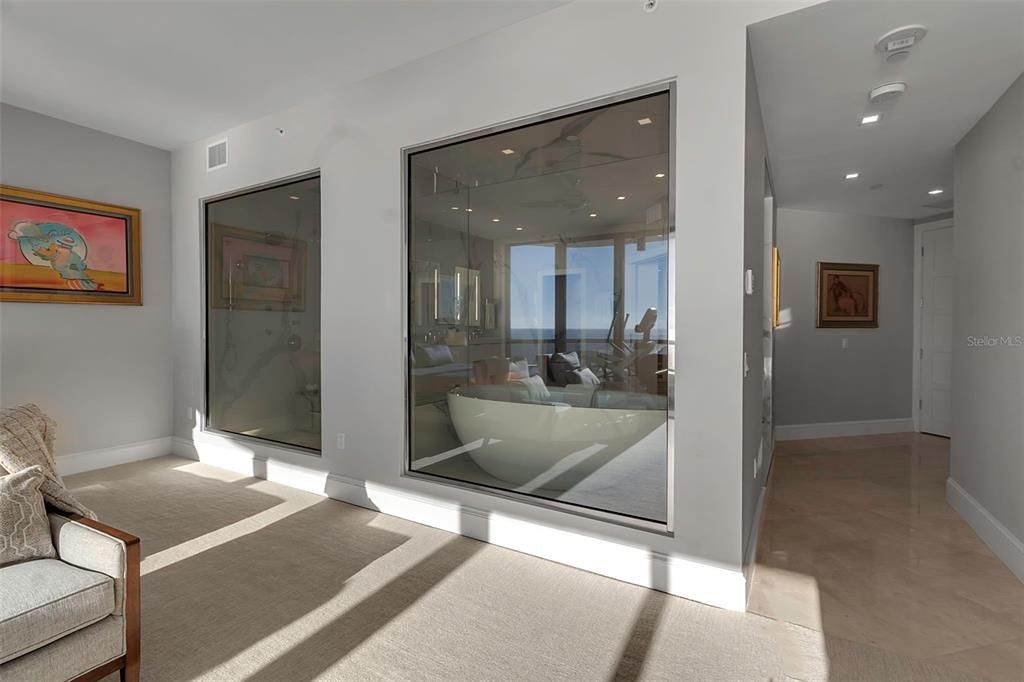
(834, 429)
(77, 462)
(718, 585)
(998, 537)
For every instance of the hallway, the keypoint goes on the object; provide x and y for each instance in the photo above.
(858, 542)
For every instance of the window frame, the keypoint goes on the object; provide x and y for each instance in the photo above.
(667, 528)
(204, 403)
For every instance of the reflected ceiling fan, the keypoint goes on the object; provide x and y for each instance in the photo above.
(566, 147)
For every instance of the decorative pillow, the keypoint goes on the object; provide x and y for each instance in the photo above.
(433, 355)
(519, 370)
(535, 388)
(561, 365)
(26, 439)
(584, 376)
(24, 528)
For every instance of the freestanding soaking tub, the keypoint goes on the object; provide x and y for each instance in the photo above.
(561, 443)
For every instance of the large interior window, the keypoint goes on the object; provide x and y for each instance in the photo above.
(263, 314)
(539, 344)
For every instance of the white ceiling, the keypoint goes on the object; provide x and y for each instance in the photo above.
(815, 67)
(167, 73)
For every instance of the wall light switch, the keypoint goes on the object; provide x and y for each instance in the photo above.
(748, 281)
(341, 441)
(846, 343)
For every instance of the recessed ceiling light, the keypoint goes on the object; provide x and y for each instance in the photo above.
(495, 220)
(519, 229)
(659, 175)
(621, 198)
(869, 119)
(293, 197)
(644, 121)
(593, 215)
(455, 208)
(469, 210)
(936, 191)
(852, 176)
(508, 151)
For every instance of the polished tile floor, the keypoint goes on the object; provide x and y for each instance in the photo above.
(858, 542)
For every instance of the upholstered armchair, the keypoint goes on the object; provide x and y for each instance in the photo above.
(74, 617)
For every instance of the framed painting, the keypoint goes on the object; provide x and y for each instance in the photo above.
(256, 270)
(57, 249)
(776, 287)
(847, 295)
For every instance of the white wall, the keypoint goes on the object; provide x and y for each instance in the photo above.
(103, 372)
(577, 52)
(816, 380)
(987, 464)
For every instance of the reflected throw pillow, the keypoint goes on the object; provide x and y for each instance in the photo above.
(584, 376)
(24, 528)
(561, 365)
(535, 389)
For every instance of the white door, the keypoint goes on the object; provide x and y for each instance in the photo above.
(936, 352)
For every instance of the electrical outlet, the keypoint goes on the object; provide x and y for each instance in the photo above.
(341, 441)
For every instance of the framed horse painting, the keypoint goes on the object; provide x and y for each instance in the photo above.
(847, 295)
(57, 249)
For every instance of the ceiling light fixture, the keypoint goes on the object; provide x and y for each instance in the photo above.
(852, 176)
(293, 197)
(937, 190)
(644, 121)
(869, 119)
(519, 229)
(469, 210)
(620, 198)
(659, 175)
(495, 220)
(455, 208)
(593, 215)
(508, 151)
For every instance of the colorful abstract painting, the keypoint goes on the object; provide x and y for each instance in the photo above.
(56, 249)
(847, 295)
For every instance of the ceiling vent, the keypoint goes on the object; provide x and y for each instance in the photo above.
(216, 155)
(887, 92)
(897, 43)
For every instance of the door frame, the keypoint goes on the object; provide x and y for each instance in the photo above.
(919, 230)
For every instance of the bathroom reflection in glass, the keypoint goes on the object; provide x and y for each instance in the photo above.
(263, 314)
(539, 348)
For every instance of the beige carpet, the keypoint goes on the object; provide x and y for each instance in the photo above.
(245, 579)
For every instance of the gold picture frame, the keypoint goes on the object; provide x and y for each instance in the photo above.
(267, 272)
(61, 249)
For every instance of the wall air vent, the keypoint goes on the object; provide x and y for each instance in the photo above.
(216, 155)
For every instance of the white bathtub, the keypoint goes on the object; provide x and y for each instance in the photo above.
(558, 446)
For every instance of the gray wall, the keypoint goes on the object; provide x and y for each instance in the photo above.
(816, 380)
(755, 156)
(103, 371)
(988, 382)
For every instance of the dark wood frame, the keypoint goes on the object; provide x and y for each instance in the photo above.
(128, 664)
(133, 216)
(819, 290)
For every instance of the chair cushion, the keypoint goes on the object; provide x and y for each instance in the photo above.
(45, 599)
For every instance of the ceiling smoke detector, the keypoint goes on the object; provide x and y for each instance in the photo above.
(889, 91)
(900, 39)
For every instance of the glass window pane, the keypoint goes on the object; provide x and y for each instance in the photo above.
(539, 308)
(263, 314)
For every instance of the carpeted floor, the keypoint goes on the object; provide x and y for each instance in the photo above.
(246, 579)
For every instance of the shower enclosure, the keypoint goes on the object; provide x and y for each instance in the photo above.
(263, 314)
